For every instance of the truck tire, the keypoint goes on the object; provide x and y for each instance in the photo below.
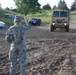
(67, 28)
(52, 28)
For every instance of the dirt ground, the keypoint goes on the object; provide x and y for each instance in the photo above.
(48, 53)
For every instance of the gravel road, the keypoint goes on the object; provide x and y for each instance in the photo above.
(48, 53)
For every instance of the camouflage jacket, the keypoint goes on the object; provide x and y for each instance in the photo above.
(15, 33)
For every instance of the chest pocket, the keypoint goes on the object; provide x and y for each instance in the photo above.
(18, 37)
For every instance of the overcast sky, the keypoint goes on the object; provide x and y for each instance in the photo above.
(10, 3)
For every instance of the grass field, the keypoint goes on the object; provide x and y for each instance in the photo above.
(44, 15)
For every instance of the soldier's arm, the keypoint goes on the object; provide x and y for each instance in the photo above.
(27, 25)
(8, 33)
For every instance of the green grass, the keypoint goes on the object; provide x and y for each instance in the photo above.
(73, 15)
(44, 15)
(2, 17)
(8, 22)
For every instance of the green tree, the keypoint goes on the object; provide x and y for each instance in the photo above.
(73, 6)
(14, 10)
(0, 6)
(26, 6)
(7, 8)
(54, 7)
(62, 5)
(46, 7)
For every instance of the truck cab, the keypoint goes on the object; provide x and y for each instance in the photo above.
(60, 19)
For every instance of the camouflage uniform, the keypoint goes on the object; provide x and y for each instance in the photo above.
(17, 49)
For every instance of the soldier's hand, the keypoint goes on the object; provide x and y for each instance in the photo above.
(25, 17)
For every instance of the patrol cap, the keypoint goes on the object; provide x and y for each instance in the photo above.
(17, 17)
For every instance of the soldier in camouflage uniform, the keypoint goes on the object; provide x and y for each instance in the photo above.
(17, 49)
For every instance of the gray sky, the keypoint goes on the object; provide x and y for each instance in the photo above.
(11, 3)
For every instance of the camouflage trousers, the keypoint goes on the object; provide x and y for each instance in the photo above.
(17, 52)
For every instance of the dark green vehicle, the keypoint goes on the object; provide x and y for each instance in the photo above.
(60, 19)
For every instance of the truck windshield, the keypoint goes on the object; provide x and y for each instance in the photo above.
(33, 18)
(55, 14)
(63, 14)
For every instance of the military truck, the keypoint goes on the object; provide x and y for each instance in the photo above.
(60, 19)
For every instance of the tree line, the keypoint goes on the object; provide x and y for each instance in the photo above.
(27, 6)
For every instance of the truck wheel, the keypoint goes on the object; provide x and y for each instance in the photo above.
(67, 28)
(52, 28)
(39, 23)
